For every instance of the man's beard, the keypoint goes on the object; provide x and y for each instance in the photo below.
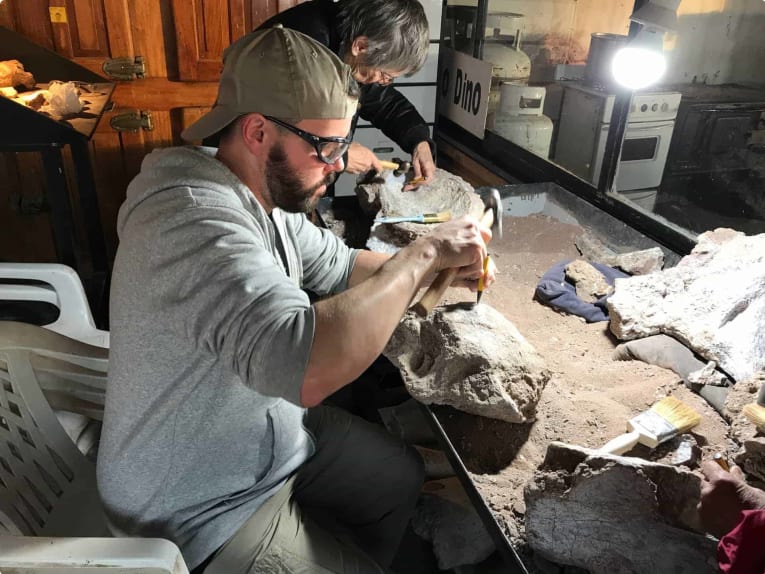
(284, 186)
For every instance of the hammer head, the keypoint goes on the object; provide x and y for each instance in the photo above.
(492, 201)
(403, 166)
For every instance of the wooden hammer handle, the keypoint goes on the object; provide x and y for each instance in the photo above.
(441, 283)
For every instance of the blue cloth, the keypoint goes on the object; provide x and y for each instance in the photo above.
(554, 290)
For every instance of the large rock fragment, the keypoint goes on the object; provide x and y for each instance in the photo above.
(638, 262)
(713, 301)
(590, 283)
(471, 358)
(445, 516)
(447, 192)
(614, 515)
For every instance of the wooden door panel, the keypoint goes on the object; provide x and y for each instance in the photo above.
(117, 158)
(7, 18)
(78, 28)
(204, 28)
(150, 23)
(25, 234)
(32, 19)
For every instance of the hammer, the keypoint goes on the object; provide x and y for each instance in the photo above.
(491, 216)
(398, 166)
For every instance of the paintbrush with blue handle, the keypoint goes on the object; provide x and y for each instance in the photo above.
(439, 217)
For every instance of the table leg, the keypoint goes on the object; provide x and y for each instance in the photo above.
(86, 187)
(61, 210)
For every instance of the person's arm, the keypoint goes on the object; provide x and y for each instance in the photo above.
(352, 328)
(367, 264)
(724, 495)
(361, 159)
(387, 109)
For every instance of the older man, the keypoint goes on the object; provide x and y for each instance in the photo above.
(217, 351)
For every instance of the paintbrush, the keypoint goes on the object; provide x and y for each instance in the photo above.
(755, 412)
(439, 217)
(663, 421)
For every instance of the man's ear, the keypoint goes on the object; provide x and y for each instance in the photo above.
(253, 130)
(359, 46)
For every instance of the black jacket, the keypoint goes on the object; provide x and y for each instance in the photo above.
(383, 106)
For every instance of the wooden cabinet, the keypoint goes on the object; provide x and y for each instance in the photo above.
(180, 44)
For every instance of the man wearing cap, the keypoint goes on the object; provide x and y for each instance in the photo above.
(381, 40)
(217, 352)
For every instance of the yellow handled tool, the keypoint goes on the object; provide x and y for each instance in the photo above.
(491, 217)
(482, 278)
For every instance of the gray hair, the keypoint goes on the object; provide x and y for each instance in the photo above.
(397, 31)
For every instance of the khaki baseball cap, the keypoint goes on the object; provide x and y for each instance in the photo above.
(282, 73)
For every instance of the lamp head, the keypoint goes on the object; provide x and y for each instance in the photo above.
(641, 63)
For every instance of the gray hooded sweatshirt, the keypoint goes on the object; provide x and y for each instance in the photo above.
(210, 337)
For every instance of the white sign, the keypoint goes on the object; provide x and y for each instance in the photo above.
(463, 94)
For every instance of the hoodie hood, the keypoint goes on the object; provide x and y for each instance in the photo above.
(190, 167)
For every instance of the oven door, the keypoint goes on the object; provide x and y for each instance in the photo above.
(643, 156)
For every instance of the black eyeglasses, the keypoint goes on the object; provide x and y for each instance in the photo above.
(328, 149)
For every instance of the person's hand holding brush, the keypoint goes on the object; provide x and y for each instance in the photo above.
(724, 495)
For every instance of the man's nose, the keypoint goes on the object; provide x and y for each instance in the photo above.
(338, 166)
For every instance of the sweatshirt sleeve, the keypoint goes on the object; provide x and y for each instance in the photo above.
(741, 550)
(327, 260)
(388, 110)
(236, 301)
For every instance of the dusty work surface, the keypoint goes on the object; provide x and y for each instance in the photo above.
(589, 398)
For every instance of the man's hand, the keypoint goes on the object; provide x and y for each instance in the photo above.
(361, 159)
(423, 164)
(723, 496)
(461, 243)
(472, 283)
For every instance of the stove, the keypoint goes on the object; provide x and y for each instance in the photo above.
(584, 123)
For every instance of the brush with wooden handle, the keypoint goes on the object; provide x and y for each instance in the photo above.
(665, 420)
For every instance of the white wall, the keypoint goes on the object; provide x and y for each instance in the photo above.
(718, 41)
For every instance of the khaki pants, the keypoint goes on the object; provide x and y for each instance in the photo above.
(345, 511)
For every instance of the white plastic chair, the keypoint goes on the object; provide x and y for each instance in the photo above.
(74, 383)
(65, 555)
(47, 486)
(64, 290)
